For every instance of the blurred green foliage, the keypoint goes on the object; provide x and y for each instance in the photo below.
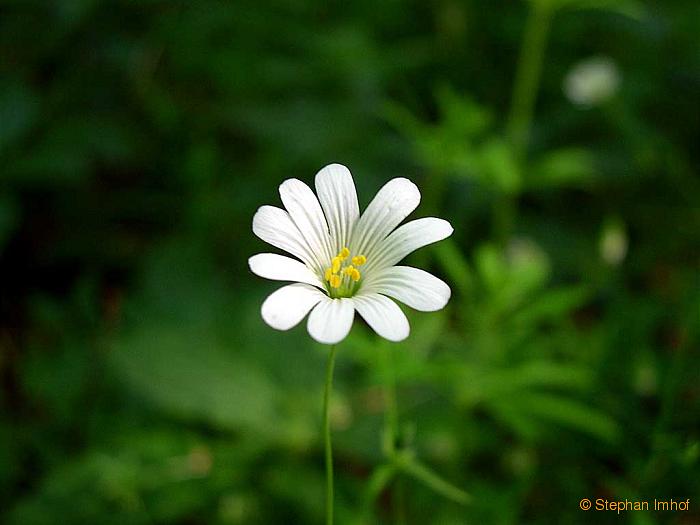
(139, 384)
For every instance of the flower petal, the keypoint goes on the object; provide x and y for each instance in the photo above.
(416, 288)
(336, 191)
(286, 307)
(275, 226)
(331, 320)
(406, 239)
(306, 212)
(392, 204)
(383, 315)
(281, 268)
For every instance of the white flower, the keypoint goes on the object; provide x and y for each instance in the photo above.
(344, 261)
(592, 81)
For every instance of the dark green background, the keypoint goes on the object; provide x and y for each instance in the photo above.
(139, 384)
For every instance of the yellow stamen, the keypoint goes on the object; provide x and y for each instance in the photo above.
(336, 262)
(339, 270)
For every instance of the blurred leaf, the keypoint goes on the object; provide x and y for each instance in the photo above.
(552, 304)
(475, 385)
(499, 166)
(191, 375)
(68, 148)
(175, 355)
(564, 412)
(447, 146)
(529, 266)
(378, 481)
(510, 275)
(631, 8)
(455, 265)
(461, 115)
(19, 111)
(568, 167)
(491, 266)
(433, 481)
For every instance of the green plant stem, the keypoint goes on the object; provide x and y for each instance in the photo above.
(327, 435)
(527, 78)
(381, 477)
(391, 412)
(391, 430)
(399, 502)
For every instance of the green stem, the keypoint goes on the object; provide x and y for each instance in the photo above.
(327, 435)
(527, 80)
(527, 77)
(391, 413)
(391, 431)
(380, 478)
(399, 502)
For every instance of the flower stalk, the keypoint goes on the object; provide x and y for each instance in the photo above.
(527, 77)
(328, 446)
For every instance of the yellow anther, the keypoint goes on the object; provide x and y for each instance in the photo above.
(348, 270)
(359, 260)
(355, 274)
(328, 275)
(335, 281)
(335, 264)
(344, 253)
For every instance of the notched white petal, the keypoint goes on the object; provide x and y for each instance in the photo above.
(286, 307)
(306, 212)
(383, 315)
(275, 226)
(413, 287)
(407, 239)
(336, 192)
(331, 320)
(392, 204)
(281, 268)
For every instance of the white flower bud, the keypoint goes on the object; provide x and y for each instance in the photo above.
(592, 81)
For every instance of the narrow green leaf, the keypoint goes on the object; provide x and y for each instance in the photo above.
(380, 478)
(429, 478)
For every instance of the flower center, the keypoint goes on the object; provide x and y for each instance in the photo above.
(343, 274)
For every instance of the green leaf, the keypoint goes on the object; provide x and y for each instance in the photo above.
(478, 385)
(568, 413)
(189, 374)
(378, 481)
(548, 374)
(462, 117)
(432, 480)
(629, 8)
(491, 266)
(499, 166)
(455, 265)
(552, 304)
(567, 167)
